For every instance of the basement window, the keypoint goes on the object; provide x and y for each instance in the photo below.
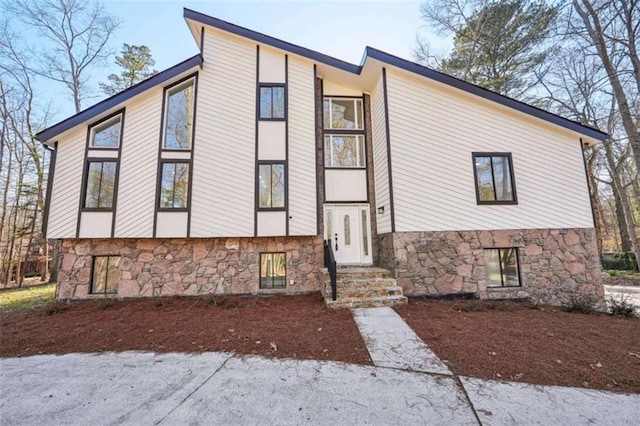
(106, 274)
(273, 270)
(501, 265)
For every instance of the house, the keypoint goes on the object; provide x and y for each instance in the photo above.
(225, 173)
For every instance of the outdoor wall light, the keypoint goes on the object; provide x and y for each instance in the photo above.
(381, 210)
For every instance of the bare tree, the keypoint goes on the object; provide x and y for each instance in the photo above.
(613, 28)
(76, 34)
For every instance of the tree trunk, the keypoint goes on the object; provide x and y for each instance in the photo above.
(53, 276)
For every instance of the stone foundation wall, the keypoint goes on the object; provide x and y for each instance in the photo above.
(556, 265)
(164, 267)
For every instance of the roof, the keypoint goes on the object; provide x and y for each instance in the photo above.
(395, 61)
(107, 104)
(370, 52)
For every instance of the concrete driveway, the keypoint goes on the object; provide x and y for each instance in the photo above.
(629, 293)
(219, 388)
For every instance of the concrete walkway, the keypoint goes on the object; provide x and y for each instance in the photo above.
(392, 343)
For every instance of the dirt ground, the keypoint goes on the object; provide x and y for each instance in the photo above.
(547, 346)
(501, 340)
(280, 326)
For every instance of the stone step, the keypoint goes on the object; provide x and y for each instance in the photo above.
(358, 272)
(361, 282)
(363, 292)
(368, 302)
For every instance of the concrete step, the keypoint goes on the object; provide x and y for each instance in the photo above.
(368, 302)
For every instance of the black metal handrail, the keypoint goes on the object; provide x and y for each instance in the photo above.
(331, 265)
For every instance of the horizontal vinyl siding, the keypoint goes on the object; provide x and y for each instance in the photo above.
(67, 182)
(224, 152)
(434, 129)
(380, 166)
(302, 171)
(138, 166)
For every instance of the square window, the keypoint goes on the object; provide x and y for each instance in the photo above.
(344, 151)
(273, 270)
(272, 103)
(501, 266)
(494, 178)
(178, 121)
(100, 185)
(343, 113)
(174, 189)
(271, 186)
(106, 274)
(106, 134)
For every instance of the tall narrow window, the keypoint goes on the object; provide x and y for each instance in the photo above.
(365, 233)
(494, 178)
(273, 270)
(106, 274)
(107, 134)
(501, 266)
(179, 116)
(271, 186)
(99, 189)
(272, 102)
(174, 190)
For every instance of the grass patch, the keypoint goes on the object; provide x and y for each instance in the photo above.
(27, 298)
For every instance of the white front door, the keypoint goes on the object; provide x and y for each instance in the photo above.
(348, 227)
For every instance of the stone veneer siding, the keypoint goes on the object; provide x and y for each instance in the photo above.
(167, 267)
(556, 265)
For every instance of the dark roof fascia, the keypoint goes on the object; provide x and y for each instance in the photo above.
(404, 64)
(484, 93)
(118, 98)
(271, 41)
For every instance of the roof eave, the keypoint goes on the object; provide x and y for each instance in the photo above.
(484, 93)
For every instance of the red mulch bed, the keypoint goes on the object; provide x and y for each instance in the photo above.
(298, 326)
(511, 341)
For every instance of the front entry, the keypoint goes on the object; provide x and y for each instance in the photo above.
(348, 228)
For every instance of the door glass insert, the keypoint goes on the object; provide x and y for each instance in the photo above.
(365, 236)
(347, 230)
(328, 225)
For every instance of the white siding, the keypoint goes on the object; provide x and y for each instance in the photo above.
(272, 140)
(138, 166)
(271, 66)
(171, 225)
(224, 151)
(272, 224)
(302, 171)
(380, 166)
(330, 88)
(67, 183)
(345, 185)
(435, 128)
(95, 224)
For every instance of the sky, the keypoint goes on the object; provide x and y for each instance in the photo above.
(337, 28)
